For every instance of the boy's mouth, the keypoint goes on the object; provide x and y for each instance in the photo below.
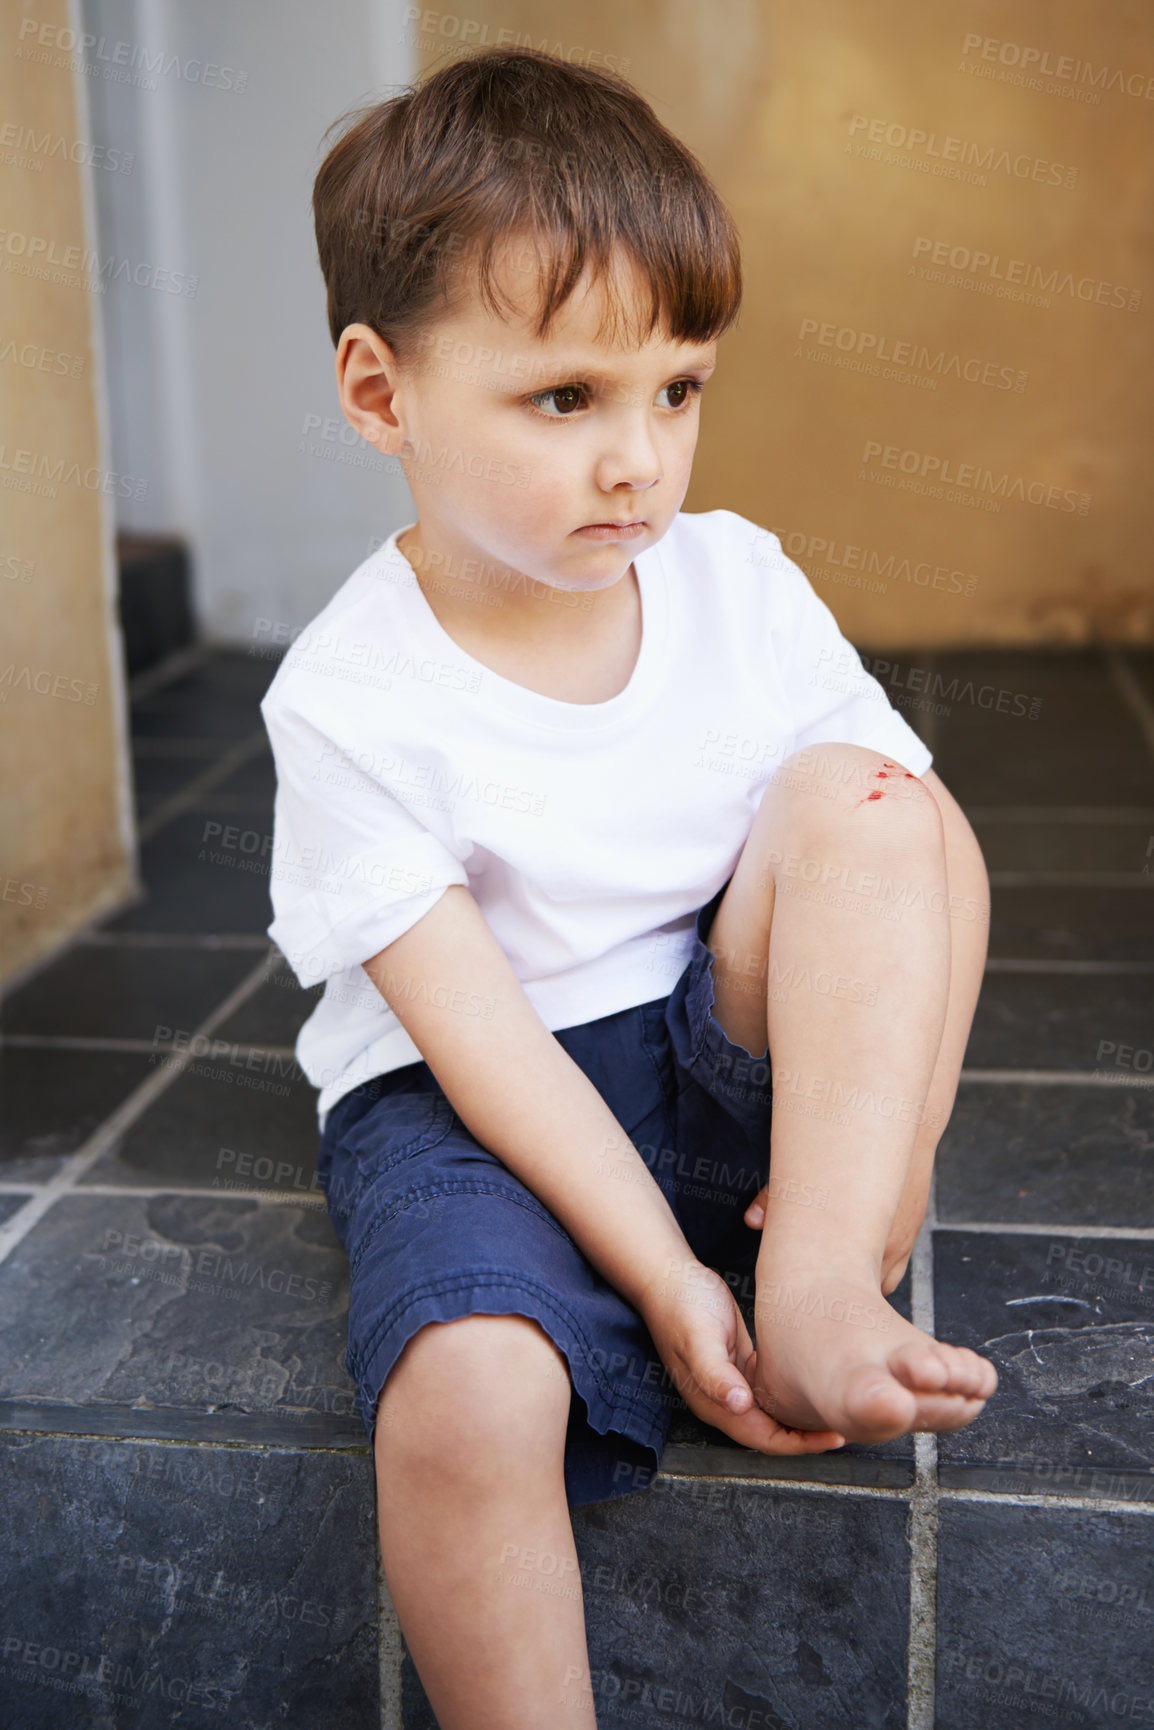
(606, 530)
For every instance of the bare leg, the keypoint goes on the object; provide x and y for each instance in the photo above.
(852, 938)
(476, 1538)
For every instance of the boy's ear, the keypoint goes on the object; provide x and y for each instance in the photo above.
(367, 377)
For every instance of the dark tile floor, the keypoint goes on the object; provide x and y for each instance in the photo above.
(190, 1536)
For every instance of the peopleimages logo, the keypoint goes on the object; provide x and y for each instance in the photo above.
(941, 472)
(1066, 69)
(124, 62)
(38, 254)
(963, 152)
(1018, 274)
(877, 346)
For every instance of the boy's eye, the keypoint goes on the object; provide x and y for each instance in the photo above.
(569, 393)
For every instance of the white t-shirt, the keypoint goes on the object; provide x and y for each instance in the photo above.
(588, 833)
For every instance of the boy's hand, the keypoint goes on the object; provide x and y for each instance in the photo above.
(703, 1342)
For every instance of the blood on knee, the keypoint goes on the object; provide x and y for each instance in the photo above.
(888, 772)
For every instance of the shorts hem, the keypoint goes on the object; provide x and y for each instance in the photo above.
(740, 1082)
(641, 1422)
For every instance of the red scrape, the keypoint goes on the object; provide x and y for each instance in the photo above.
(882, 775)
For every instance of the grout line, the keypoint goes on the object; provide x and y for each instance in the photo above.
(213, 1192)
(92, 1042)
(1033, 1229)
(232, 759)
(1131, 693)
(1040, 1500)
(810, 1486)
(173, 667)
(121, 1119)
(178, 940)
(390, 1653)
(1055, 1077)
(923, 1515)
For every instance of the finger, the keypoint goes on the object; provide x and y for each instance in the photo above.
(755, 1212)
(731, 1390)
(745, 1421)
(806, 1441)
(714, 1376)
(756, 1429)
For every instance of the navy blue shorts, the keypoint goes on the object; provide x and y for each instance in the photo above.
(436, 1227)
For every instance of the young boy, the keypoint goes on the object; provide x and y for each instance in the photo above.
(582, 820)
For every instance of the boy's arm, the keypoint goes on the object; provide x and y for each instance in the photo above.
(523, 1097)
(519, 1092)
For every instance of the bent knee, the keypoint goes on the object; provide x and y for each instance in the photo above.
(482, 1379)
(824, 784)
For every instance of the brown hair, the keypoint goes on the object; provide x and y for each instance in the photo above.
(420, 191)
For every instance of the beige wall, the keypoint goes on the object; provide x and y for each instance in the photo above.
(65, 838)
(779, 98)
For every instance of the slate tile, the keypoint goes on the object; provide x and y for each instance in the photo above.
(11, 1202)
(275, 1014)
(154, 599)
(160, 777)
(709, 1603)
(675, 1579)
(1045, 1616)
(1141, 664)
(125, 993)
(148, 1586)
(1062, 1021)
(1084, 747)
(236, 1117)
(1107, 844)
(1031, 922)
(255, 779)
(54, 1100)
(204, 872)
(163, 1310)
(218, 700)
(1068, 1323)
(1016, 1152)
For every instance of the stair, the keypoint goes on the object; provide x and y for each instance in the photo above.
(190, 1528)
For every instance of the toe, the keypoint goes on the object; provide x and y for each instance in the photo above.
(941, 1412)
(921, 1367)
(978, 1377)
(970, 1375)
(963, 1374)
(878, 1406)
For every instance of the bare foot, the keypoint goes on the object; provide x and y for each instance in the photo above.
(833, 1354)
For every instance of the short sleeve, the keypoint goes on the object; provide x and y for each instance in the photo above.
(352, 868)
(832, 698)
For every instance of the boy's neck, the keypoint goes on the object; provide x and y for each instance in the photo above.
(577, 647)
(514, 608)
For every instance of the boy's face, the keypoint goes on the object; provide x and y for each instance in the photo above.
(517, 444)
